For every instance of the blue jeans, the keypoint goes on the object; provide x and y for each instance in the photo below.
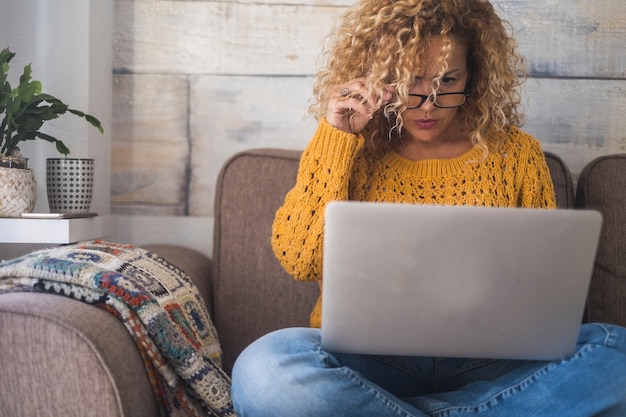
(287, 373)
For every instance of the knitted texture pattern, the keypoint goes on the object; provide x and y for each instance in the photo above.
(159, 306)
(337, 166)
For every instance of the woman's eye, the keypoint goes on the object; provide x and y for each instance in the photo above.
(447, 80)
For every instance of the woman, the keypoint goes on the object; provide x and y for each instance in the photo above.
(419, 103)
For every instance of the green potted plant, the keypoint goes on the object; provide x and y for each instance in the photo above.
(24, 110)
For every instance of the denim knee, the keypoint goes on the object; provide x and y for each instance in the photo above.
(606, 335)
(263, 373)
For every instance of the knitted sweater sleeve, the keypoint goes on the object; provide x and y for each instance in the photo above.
(537, 189)
(323, 176)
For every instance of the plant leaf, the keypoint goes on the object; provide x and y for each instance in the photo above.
(91, 119)
(62, 148)
(26, 75)
(95, 122)
(59, 144)
(26, 109)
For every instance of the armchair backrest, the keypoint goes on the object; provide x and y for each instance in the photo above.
(602, 186)
(253, 295)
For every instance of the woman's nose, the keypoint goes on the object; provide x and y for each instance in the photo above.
(428, 104)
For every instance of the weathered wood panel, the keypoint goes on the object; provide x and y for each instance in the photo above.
(219, 37)
(571, 38)
(574, 38)
(577, 119)
(231, 114)
(150, 147)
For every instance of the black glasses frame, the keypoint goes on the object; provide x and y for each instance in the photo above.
(433, 98)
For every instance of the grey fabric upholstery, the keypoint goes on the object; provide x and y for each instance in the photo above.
(562, 179)
(60, 357)
(602, 187)
(253, 294)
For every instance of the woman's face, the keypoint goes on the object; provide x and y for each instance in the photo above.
(429, 123)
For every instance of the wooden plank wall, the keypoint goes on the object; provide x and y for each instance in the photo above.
(197, 81)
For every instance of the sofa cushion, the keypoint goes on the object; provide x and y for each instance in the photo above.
(602, 187)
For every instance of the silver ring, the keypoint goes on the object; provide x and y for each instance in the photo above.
(345, 92)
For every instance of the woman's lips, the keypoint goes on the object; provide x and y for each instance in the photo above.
(425, 124)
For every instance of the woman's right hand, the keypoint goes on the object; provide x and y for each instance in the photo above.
(350, 107)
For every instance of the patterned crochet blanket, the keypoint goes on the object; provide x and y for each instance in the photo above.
(158, 304)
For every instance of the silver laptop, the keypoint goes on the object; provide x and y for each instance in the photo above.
(455, 281)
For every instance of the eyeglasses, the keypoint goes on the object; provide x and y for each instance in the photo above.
(441, 100)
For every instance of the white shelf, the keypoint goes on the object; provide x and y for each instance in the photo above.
(18, 230)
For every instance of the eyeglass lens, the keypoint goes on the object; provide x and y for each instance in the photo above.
(441, 100)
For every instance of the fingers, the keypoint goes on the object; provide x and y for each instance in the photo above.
(351, 107)
(354, 96)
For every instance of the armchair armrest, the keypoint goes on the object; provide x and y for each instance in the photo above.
(61, 357)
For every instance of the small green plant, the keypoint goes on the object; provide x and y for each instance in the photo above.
(25, 109)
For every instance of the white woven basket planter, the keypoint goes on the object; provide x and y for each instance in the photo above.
(18, 191)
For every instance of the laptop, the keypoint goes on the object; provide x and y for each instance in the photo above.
(455, 281)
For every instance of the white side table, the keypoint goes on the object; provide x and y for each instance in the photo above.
(19, 230)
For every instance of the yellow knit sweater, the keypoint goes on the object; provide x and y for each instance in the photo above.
(336, 166)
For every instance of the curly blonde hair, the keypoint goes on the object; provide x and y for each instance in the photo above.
(384, 42)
